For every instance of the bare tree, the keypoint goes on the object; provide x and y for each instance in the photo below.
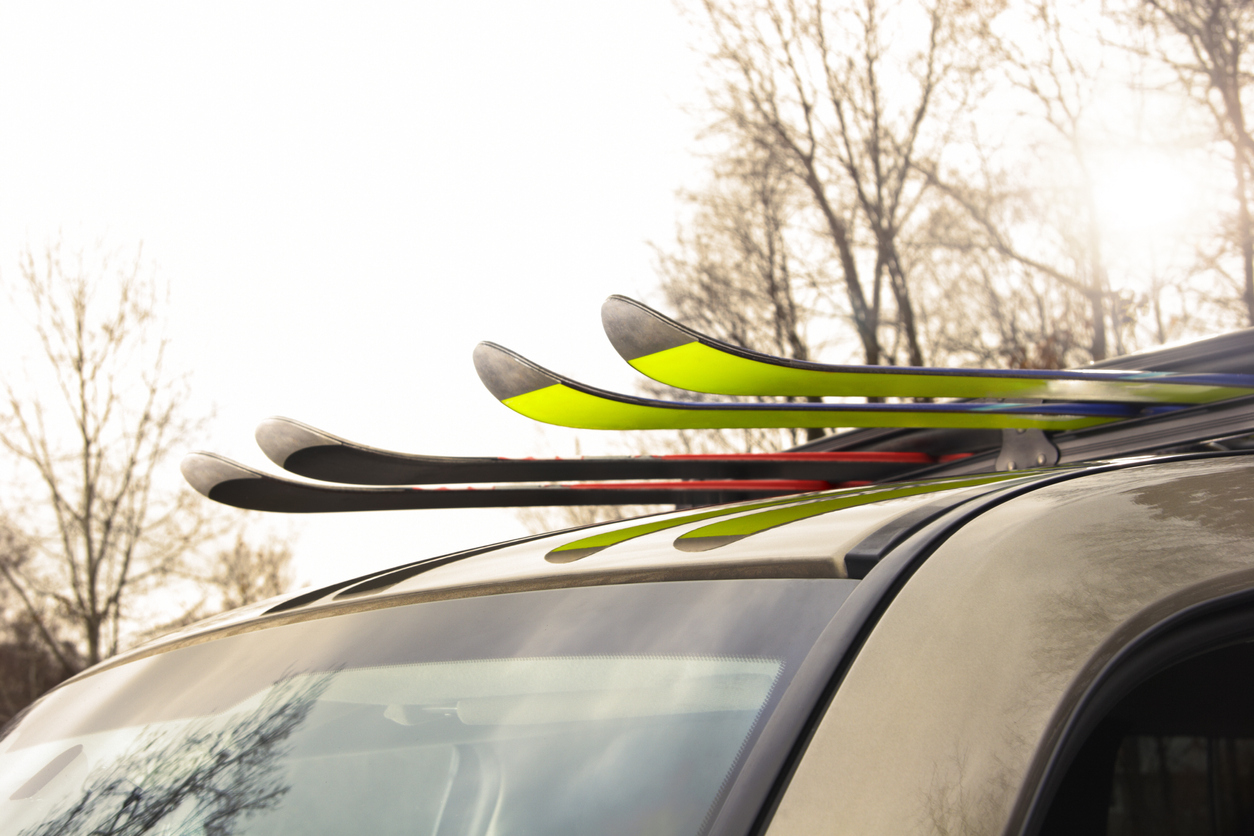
(735, 272)
(246, 573)
(850, 97)
(987, 311)
(92, 424)
(200, 778)
(1208, 44)
(237, 571)
(27, 667)
(1033, 200)
(1044, 218)
(960, 210)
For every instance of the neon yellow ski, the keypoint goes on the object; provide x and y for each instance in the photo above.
(542, 395)
(676, 355)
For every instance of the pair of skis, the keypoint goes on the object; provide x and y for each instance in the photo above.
(678, 356)
(371, 479)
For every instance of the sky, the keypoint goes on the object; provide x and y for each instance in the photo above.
(346, 198)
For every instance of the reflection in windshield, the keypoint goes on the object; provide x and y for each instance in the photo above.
(611, 710)
(202, 778)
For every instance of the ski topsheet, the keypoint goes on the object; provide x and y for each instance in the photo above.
(674, 354)
(231, 483)
(306, 451)
(542, 395)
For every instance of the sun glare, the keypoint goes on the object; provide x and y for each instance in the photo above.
(1149, 194)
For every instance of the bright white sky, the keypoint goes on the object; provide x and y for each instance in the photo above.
(346, 198)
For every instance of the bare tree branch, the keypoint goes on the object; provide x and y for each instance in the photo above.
(95, 424)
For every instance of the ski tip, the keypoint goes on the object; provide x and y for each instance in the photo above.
(229, 483)
(281, 438)
(636, 330)
(507, 374)
(207, 471)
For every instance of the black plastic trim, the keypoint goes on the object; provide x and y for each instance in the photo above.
(862, 558)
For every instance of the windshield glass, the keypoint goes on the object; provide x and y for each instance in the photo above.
(613, 709)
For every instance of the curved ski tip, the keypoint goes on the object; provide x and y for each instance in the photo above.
(636, 330)
(507, 374)
(206, 471)
(279, 438)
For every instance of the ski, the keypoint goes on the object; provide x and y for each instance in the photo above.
(542, 395)
(674, 354)
(306, 451)
(237, 485)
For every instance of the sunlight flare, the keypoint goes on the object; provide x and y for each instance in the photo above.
(1147, 192)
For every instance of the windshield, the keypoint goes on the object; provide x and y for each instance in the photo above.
(627, 709)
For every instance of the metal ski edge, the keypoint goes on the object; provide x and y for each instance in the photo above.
(240, 486)
(306, 451)
(677, 355)
(546, 396)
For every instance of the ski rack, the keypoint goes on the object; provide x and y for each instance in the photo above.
(1186, 398)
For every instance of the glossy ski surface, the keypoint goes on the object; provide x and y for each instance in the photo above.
(310, 452)
(231, 483)
(674, 354)
(542, 395)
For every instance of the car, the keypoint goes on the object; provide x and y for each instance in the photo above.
(970, 648)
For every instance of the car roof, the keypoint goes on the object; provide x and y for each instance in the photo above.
(838, 534)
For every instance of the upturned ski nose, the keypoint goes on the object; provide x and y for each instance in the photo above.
(508, 375)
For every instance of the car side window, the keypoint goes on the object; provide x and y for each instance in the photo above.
(1175, 755)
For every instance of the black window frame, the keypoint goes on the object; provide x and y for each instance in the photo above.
(1209, 626)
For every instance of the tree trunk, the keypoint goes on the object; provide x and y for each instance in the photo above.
(1245, 236)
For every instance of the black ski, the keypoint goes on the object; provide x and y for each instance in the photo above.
(306, 451)
(230, 483)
